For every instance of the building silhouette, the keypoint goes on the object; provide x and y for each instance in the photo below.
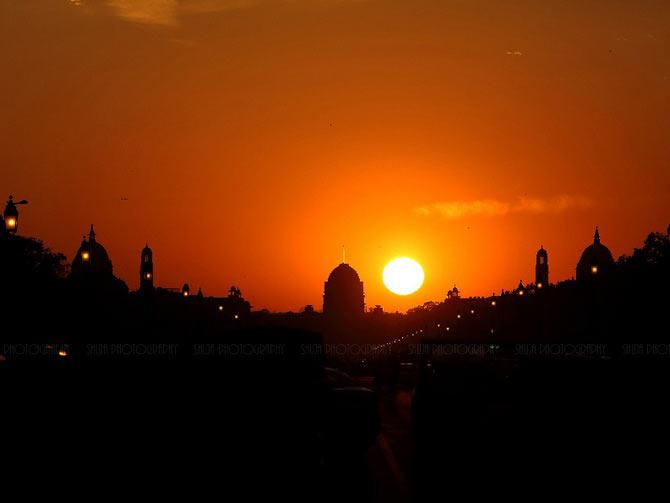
(596, 260)
(343, 294)
(91, 259)
(541, 268)
(454, 293)
(146, 270)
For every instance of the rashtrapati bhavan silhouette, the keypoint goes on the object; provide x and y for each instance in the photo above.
(343, 294)
(595, 261)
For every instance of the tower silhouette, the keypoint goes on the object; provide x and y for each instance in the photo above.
(541, 268)
(146, 270)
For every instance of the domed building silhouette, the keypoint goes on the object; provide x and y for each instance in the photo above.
(343, 294)
(91, 259)
(92, 274)
(595, 261)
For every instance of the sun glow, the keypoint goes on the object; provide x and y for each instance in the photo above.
(403, 276)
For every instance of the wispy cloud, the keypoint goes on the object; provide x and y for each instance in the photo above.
(161, 12)
(453, 210)
(169, 12)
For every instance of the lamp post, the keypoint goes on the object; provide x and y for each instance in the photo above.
(11, 215)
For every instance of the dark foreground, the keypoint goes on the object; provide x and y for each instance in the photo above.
(286, 425)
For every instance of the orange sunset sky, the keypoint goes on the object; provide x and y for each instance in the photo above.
(252, 139)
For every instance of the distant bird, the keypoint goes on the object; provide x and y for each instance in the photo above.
(124, 199)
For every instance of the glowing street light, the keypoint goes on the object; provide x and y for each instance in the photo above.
(594, 269)
(493, 303)
(185, 290)
(11, 215)
(85, 256)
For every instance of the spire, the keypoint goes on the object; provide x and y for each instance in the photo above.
(91, 234)
(344, 255)
(596, 236)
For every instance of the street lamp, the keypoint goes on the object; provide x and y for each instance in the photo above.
(11, 215)
(594, 269)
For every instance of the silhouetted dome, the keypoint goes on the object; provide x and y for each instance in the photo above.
(344, 273)
(343, 292)
(541, 253)
(596, 259)
(91, 258)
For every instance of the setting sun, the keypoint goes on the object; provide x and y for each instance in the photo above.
(403, 276)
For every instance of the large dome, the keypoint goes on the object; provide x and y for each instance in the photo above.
(344, 273)
(596, 259)
(91, 258)
(343, 293)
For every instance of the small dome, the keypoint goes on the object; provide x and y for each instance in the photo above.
(344, 273)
